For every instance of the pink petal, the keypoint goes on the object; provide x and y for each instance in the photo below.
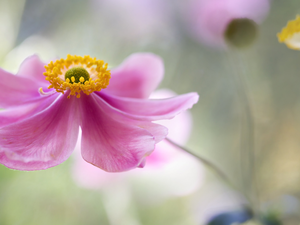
(149, 109)
(137, 76)
(159, 132)
(112, 141)
(88, 176)
(18, 113)
(43, 140)
(180, 126)
(179, 131)
(33, 68)
(15, 90)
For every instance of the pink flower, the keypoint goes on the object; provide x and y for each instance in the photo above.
(169, 171)
(209, 19)
(39, 130)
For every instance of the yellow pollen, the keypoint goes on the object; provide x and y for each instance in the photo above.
(76, 74)
(292, 28)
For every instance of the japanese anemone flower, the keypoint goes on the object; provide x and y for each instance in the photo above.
(162, 164)
(39, 129)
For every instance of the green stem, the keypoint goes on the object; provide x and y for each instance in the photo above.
(247, 134)
(207, 163)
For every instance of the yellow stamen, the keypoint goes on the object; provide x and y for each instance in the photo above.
(76, 73)
(289, 34)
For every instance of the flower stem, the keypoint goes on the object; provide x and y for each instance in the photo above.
(207, 163)
(247, 131)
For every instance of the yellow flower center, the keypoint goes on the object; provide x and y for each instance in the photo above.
(76, 73)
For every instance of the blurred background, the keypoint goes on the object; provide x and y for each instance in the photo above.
(247, 121)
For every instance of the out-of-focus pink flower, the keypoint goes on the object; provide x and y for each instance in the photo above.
(131, 19)
(168, 171)
(208, 19)
(39, 130)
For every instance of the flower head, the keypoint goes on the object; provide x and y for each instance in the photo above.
(290, 35)
(39, 129)
(76, 74)
(216, 22)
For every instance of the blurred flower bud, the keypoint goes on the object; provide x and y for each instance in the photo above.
(228, 218)
(212, 20)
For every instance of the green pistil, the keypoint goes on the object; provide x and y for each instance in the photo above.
(77, 73)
